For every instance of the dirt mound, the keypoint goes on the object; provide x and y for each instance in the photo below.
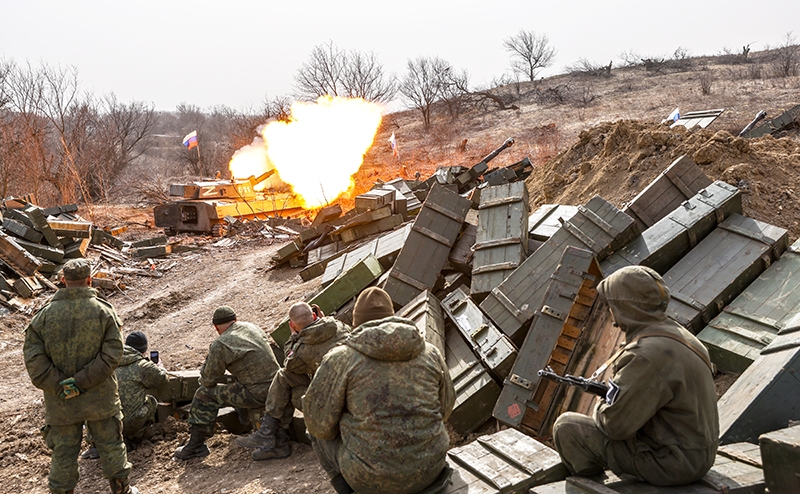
(616, 160)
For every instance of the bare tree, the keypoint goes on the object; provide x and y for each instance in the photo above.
(454, 90)
(364, 78)
(530, 53)
(421, 86)
(322, 73)
(787, 57)
(332, 71)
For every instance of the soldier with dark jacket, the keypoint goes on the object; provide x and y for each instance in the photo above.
(71, 349)
(242, 350)
(659, 419)
(376, 406)
(312, 336)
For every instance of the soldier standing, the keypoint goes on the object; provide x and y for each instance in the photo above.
(242, 350)
(376, 406)
(71, 349)
(659, 419)
(313, 335)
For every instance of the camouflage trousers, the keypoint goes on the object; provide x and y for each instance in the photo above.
(285, 394)
(328, 454)
(133, 426)
(65, 441)
(586, 450)
(208, 401)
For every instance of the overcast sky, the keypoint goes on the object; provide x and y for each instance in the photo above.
(237, 53)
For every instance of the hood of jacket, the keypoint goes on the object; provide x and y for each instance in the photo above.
(319, 331)
(391, 338)
(637, 298)
(130, 355)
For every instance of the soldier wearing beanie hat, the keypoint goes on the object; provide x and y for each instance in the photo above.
(377, 405)
(242, 350)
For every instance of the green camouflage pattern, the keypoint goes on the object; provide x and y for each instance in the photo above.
(135, 375)
(662, 425)
(207, 402)
(65, 442)
(243, 351)
(77, 334)
(285, 394)
(384, 394)
(304, 350)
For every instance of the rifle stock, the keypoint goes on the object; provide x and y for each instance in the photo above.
(589, 385)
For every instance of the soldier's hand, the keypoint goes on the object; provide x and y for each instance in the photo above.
(317, 310)
(69, 389)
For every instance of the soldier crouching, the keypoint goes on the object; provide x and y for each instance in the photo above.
(242, 350)
(376, 406)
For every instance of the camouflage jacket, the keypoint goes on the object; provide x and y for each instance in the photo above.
(135, 376)
(243, 351)
(304, 350)
(77, 334)
(386, 393)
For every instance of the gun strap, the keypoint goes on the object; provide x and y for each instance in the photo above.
(655, 332)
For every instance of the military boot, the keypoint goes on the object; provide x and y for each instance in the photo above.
(264, 437)
(122, 486)
(282, 448)
(90, 454)
(196, 447)
(340, 485)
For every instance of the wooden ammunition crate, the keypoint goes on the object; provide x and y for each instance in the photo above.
(546, 220)
(727, 476)
(501, 242)
(426, 312)
(598, 227)
(374, 199)
(780, 454)
(526, 401)
(721, 266)
(384, 248)
(490, 345)
(744, 327)
(428, 246)
(476, 391)
(461, 255)
(663, 244)
(764, 398)
(16, 257)
(505, 462)
(680, 181)
(22, 230)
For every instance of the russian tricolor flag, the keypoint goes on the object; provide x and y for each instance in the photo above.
(190, 141)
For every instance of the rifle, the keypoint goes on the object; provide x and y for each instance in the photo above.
(589, 385)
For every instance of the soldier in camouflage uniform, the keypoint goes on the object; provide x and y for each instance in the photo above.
(135, 375)
(72, 347)
(241, 349)
(313, 335)
(659, 419)
(377, 404)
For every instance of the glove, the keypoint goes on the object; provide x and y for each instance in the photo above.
(69, 389)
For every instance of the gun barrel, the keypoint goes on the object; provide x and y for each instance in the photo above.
(507, 144)
(262, 177)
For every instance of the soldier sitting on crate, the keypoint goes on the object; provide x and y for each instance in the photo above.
(241, 349)
(312, 336)
(376, 406)
(659, 419)
(135, 375)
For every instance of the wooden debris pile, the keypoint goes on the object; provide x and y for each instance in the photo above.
(36, 242)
